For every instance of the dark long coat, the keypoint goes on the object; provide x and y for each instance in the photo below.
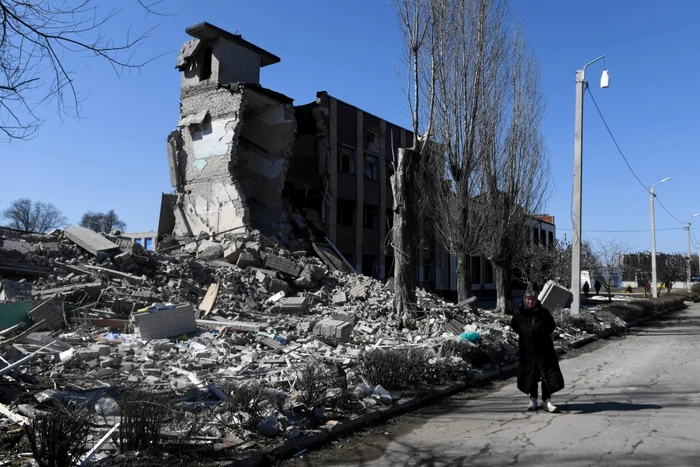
(536, 349)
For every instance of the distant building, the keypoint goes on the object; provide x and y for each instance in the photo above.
(148, 240)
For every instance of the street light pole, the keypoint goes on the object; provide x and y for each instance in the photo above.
(654, 289)
(576, 202)
(687, 227)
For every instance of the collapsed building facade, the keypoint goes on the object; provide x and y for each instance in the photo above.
(241, 152)
(231, 148)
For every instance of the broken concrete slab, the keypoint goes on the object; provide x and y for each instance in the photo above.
(293, 305)
(209, 250)
(554, 297)
(333, 329)
(278, 285)
(284, 265)
(246, 259)
(50, 311)
(163, 323)
(90, 241)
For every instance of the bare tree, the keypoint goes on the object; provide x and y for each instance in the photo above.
(102, 221)
(29, 216)
(35, 38)
(609, 256)
(671, 268)
(417, 21)
(516, 176)
(469, 48)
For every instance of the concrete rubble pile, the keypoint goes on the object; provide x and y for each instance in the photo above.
(86, 316)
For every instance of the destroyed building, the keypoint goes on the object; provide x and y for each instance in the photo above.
(229, 153)
(241, 152)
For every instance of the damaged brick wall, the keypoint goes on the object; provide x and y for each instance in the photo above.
(230, 152)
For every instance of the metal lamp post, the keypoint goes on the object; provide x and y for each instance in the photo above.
(687, 227)
(654, 289)
(581, 85)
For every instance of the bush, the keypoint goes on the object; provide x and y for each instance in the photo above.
(142, 415)
(251, 399)
(637, 309)
(395, 369)
(314, 382)
(474, 354)
(59, 438)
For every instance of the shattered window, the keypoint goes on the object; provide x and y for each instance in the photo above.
(347, 160)
(371, 168)
(476, 269)
(206, 64)
(370, 137)
(148, 243)
(346, 212)
(371, 217)
(488, 273)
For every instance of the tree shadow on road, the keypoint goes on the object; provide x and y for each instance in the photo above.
(596, 407)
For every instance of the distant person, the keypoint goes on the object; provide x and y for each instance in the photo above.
(534, 325)
(597, 286)
(586, 288)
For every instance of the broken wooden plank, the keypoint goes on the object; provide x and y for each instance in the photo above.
(86, 459)
(90, 240)
(15, 417)
(235, 325)
(209, 299)
(130, 278)
(23, 361)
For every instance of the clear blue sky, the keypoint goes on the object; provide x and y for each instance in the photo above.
(114, 157)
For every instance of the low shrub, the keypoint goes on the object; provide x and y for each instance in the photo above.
(395, 369)
(474, 354)
(60, 437)
(637, 309)
(142, 416)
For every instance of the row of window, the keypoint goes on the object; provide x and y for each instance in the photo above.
(541, 237)
(346, 163)
(345, 215)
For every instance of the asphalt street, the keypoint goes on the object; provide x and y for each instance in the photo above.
(633, 402)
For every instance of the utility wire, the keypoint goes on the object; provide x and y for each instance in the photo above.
(614, 140)
(625, 159)
(667, 211)
(625, 231)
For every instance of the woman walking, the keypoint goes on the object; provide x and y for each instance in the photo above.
(538, 360)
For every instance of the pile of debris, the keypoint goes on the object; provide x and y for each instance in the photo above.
(263, 335)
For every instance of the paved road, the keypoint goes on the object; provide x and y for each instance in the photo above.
(633, 402)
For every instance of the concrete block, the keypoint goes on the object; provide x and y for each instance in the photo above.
(166, 323)
(209, 250)
(294, 305)
(347, 316)
(359, 290)
(313, 272)
(333, 329)
(232, 253)
(340, 299)
(284, 265)
(278, 285)
(554, 297)
(90, 240)
(246, 259)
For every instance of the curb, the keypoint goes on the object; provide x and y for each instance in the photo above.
(322, 435)
(607, 333)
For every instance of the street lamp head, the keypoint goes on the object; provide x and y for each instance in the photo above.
(605, 79)
(665, 180)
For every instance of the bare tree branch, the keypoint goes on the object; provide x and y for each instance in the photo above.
(35, 39)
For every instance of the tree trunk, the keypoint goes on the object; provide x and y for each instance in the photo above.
(504, 288)
(403, 184)
(463, 277)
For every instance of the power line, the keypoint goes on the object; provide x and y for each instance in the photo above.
(625, 159)
(668, 212)
(625, 231)
(614, 140)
